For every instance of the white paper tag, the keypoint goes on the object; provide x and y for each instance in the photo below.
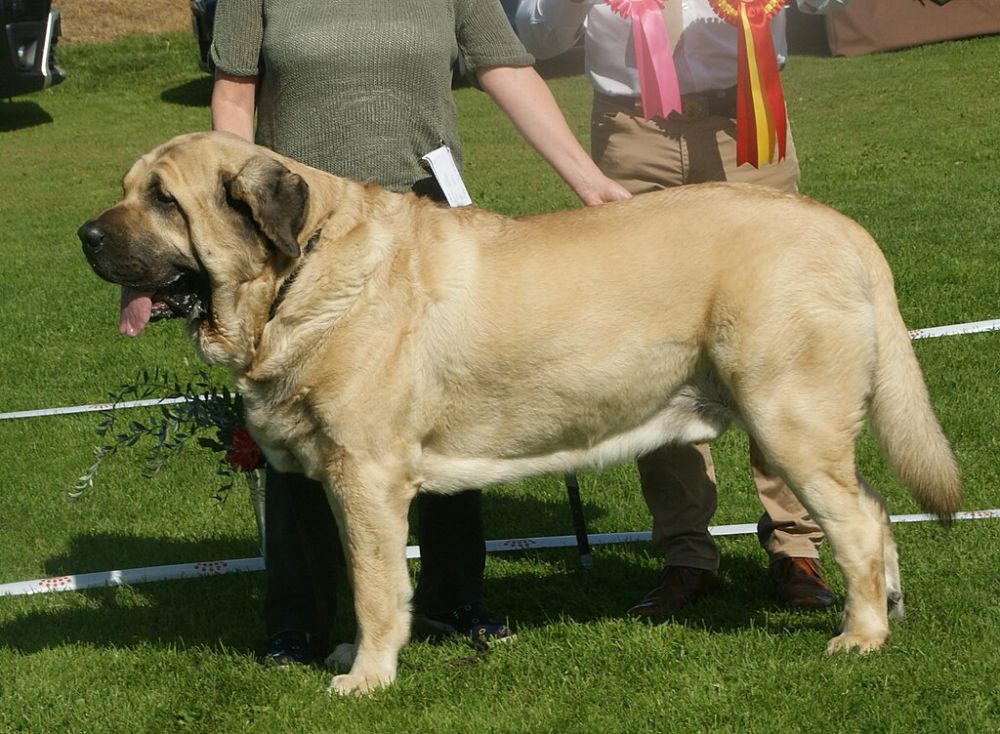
(449, 179)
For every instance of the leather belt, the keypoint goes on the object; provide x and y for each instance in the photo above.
(694, 106)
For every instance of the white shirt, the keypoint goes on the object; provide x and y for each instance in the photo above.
(704, 55)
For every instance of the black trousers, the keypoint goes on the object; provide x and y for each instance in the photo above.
(304, 560)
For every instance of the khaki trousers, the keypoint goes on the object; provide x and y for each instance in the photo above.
(678, 482)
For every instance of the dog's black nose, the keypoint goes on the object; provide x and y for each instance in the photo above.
(92, 236)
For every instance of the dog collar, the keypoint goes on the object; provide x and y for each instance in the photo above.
(286, 284)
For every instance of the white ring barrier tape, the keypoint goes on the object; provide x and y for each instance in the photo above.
(91, 408)
(973, 327)
(130, 576)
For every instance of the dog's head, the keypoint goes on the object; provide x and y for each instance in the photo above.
(201, 216)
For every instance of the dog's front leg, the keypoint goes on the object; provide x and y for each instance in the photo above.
(371, 508)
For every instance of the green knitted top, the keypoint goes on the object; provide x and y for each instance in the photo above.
(360, 88)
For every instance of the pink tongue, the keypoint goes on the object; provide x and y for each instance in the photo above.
(136, 307)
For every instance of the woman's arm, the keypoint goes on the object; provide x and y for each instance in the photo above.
(526, 100)
(233, 100)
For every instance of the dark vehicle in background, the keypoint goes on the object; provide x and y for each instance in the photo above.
(29, 30)
(202, 18)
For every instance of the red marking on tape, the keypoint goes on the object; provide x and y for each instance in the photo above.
(56, 582)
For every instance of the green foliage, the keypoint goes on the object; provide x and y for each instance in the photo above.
(903, 142)
(199, 409)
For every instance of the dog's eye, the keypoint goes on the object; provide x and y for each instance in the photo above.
(162, 197)
(159, 195)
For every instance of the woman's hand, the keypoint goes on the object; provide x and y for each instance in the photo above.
(601, 191)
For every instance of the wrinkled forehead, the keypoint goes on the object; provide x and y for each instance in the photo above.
(138, 173)
(174, 162)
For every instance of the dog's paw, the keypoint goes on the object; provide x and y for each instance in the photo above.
(342, 657)
(352, 684)
(860, 643)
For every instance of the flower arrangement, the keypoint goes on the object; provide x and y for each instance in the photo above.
(175, 413)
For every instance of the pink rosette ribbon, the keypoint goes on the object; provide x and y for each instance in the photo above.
(653, 56)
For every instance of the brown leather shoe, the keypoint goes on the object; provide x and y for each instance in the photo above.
(799, 583)
(679, 585)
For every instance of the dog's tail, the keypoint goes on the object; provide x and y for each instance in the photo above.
(901, 416)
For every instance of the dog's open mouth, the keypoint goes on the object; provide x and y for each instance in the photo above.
(183, 305)
(185, 297)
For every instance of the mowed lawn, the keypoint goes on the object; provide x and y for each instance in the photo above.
(906, 143)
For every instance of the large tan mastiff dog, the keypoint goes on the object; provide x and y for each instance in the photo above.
(386, 345)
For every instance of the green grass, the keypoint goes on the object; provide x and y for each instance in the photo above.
(903, 142)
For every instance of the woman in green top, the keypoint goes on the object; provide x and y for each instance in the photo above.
(363, 90)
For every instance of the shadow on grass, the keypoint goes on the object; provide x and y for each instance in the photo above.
(805, 33)
(194, 93)
(104, 552)
(622, 576)
(530, 589)
(214, 612)
(21, 114)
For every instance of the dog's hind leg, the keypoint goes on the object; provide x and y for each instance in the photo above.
(371, 512)
(802, 391)
(857, 538)
(893, 582)
(844, 510)
(808, 435)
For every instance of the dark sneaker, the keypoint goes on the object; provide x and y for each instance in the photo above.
(473, 621)
(287, 648)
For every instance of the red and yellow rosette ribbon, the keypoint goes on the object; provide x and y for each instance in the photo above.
(653, 56)
(760, 104)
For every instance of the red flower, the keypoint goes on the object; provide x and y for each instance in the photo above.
(244, 454)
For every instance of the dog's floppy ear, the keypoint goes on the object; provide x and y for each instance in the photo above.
(277, 198)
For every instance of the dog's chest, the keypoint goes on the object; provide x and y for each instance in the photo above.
(283, 427)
